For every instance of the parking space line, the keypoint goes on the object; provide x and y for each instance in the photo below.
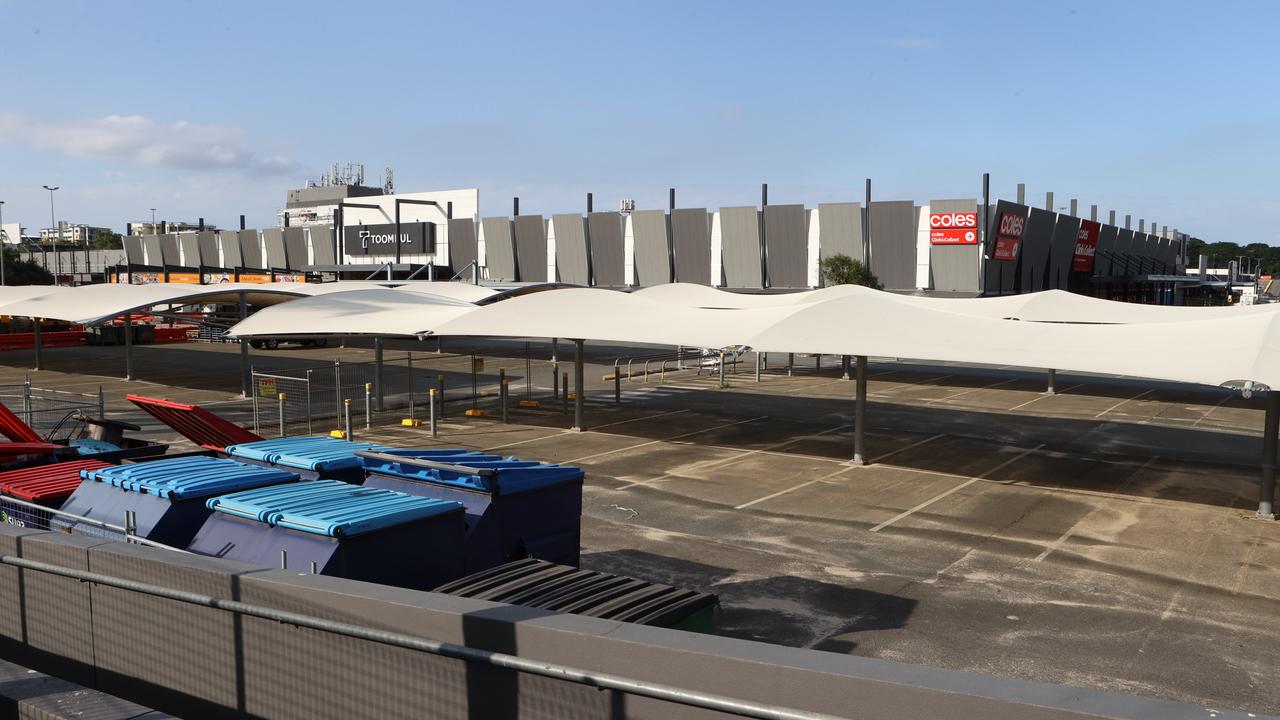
(637, 419)
(522, 442)
(1210, 410)
(1042, 396)
(917, 443)
(973, 390)
(1144, 393)
(793, 488)
(957, 488)
(1071, 530)
(661, 440)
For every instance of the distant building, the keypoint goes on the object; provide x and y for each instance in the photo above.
(168, 226)
(72, 233)
(315, 203)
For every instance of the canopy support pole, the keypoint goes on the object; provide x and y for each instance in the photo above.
(246, 375)
(1052, 389)
(578, 394)
(860, 411)
(128, 346)
(1270, 426)
(377, 371)
(35, 324)
(844, 367)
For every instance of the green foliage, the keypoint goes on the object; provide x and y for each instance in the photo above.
(20, 271)
(844, 270)
(1220, 253)
(107, 241)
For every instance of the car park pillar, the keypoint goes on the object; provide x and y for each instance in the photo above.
(246, 377)
(128, 346)
(860, 411)
(36, 341)
(1270, 426)
(377, 371)
(578, 423)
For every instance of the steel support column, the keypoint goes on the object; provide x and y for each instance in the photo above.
(246, 374)
(860, 411)
(128, 346)
(377, 373)
(35, 324)
(1270, 426)
(578, 390)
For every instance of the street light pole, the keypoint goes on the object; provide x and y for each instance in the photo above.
(153, 221)
(54, 223)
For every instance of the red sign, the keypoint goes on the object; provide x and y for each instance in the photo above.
(1086, 246)
(954, 228)
(1009, 236)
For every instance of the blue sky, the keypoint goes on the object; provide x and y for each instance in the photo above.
(1162, 110)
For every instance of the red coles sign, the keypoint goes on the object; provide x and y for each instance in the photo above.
(953, 228)
(1009, 236)
(1086, 246)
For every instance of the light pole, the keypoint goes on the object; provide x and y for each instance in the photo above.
(4, 243)
(153, 221)
(54, 223)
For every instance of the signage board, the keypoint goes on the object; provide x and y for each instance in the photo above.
(953, 228)
(1009, 236)
(416, 238)
(1086, 246)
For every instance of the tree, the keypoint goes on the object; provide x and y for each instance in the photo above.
(18, 271)
(844, 270)
(107, 241)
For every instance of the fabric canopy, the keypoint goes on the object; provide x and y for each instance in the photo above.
(382, 311)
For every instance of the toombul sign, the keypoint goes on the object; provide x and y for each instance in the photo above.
(953, 228)
(416, 238)
(1086, 246)
(1009, 236)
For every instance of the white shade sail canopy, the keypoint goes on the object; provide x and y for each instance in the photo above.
(381, 312)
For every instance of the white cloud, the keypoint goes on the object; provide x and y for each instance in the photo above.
(143, 141)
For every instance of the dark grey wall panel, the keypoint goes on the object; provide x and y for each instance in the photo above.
(608, 259)
(531, 248)
(133, 250)
(954, 268)
(1106, 246)
(651, 235)
(462, 243)
(273, 241)
(786, 239)
(322, 251)
(251, 249)
(573, 262)
(229, 240)
(295, 248)
(691, 245)
(169, 248)
(1062, 251)
(893, 243)
(1001, 276)
(740, 250)
(207, 243)
(1037, 240)
(190, 246)
(839, 231)
(499, 249)
(151, 247)
(1122, 257)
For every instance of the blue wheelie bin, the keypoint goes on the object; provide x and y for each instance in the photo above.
(312, 458)
(515, 508)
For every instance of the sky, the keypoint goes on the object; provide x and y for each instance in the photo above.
(1163, 110)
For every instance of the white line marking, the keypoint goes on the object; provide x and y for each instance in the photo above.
(662, 440)
(908, 447)
(961, 486)
(1071, 531)
(973, 390)
(637, 419)
(1144, 393)
(1210, 410)
(793, 488)
(1042, 396)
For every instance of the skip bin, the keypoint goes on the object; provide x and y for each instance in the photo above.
(312, 458)
(167, 496)
(47, 485)
(539, 584)
(345, 530)
(515, 508)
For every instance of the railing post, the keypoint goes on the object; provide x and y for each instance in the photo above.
(757, 366)
(130, 524)
(431, 402)
(308, 381)
(256, 425)
(409, 365)
(555, 381)
(346, 419)
(280, 400)
(284, 559)
(337, 388)
(368, 396)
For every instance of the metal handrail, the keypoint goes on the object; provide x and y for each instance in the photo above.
(475, 272)
(556, 671)
(129, 536)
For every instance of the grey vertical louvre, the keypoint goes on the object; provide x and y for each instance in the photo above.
(651, 233)
(786, 240)
(151, 248)
(273, 241)
(169, 248)
(499, 249)
(839, 231)
(740, 251)
(190, 246)
(207, 243)
(573, 261)
(691, 245)
(1037, 239)
(531, 248)
(954, 268)
(1001, 276)
(250, 250)
(1062, 251)
(1122, 258)
(462, 244)
(1106, 248)
(133, 250)
(608, 261)
(295, 248)
(322, 244)
(230, 242)
(893, 243)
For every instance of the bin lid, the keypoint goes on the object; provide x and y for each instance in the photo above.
(319, 453)
(469, 469)
(189, 477)
(194, 422)
(46, 482)
(331, 507)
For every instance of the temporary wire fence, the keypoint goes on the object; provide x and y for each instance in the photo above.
(49, 411)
